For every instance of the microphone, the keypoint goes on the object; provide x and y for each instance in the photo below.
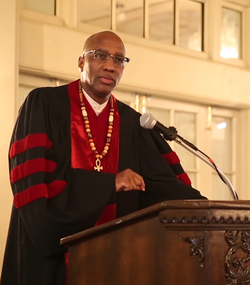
(148, 121)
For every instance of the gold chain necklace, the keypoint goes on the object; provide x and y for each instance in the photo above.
(98, 164)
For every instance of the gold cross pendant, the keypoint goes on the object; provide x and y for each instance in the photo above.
(98, 166)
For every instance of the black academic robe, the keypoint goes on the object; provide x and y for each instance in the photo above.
(60, 200)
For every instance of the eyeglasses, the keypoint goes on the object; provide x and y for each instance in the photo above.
(103, 56)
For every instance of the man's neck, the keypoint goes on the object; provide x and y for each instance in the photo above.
(99, 99)
(97, 107)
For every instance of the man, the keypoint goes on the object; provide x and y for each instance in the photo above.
(78, 158)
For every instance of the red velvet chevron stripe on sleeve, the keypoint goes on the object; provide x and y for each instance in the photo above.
(38, 191)
(174, 162)
(184, 178)
(30, 141)
(31, 167)
(171, 158)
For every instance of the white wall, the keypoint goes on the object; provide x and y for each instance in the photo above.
(8, 83)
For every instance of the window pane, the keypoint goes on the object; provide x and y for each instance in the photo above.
(222, 142)
(185, 124)
(230, 34)
(45, 6)
(220, 189)
(161, 115)
(190, 24)
(129, 17)
(161, 21)
(96, 13)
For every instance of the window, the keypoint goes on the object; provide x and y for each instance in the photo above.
(178, 22)
(222, 150)
(190, 28)
(96, 13)
(231, 31)
(129, 17)
(161, 21)
(45, 6)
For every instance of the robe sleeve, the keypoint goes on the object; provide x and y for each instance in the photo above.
(52, 199)
(162, 179)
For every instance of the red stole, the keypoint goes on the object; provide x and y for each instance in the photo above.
(81, 154)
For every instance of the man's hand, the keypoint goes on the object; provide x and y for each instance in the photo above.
(129, 180)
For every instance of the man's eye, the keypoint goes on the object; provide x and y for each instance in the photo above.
(119, 59)
(101, 55)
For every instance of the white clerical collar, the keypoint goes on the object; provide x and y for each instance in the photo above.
(96, 106)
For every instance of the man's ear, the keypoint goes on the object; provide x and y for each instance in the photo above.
(80, 63)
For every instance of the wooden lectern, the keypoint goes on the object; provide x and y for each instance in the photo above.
(187, 242)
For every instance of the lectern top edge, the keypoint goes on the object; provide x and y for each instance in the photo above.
(154, 210)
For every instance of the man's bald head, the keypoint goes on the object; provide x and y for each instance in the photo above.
(93, 41)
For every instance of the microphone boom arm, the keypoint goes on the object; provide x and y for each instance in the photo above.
(178, 139)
